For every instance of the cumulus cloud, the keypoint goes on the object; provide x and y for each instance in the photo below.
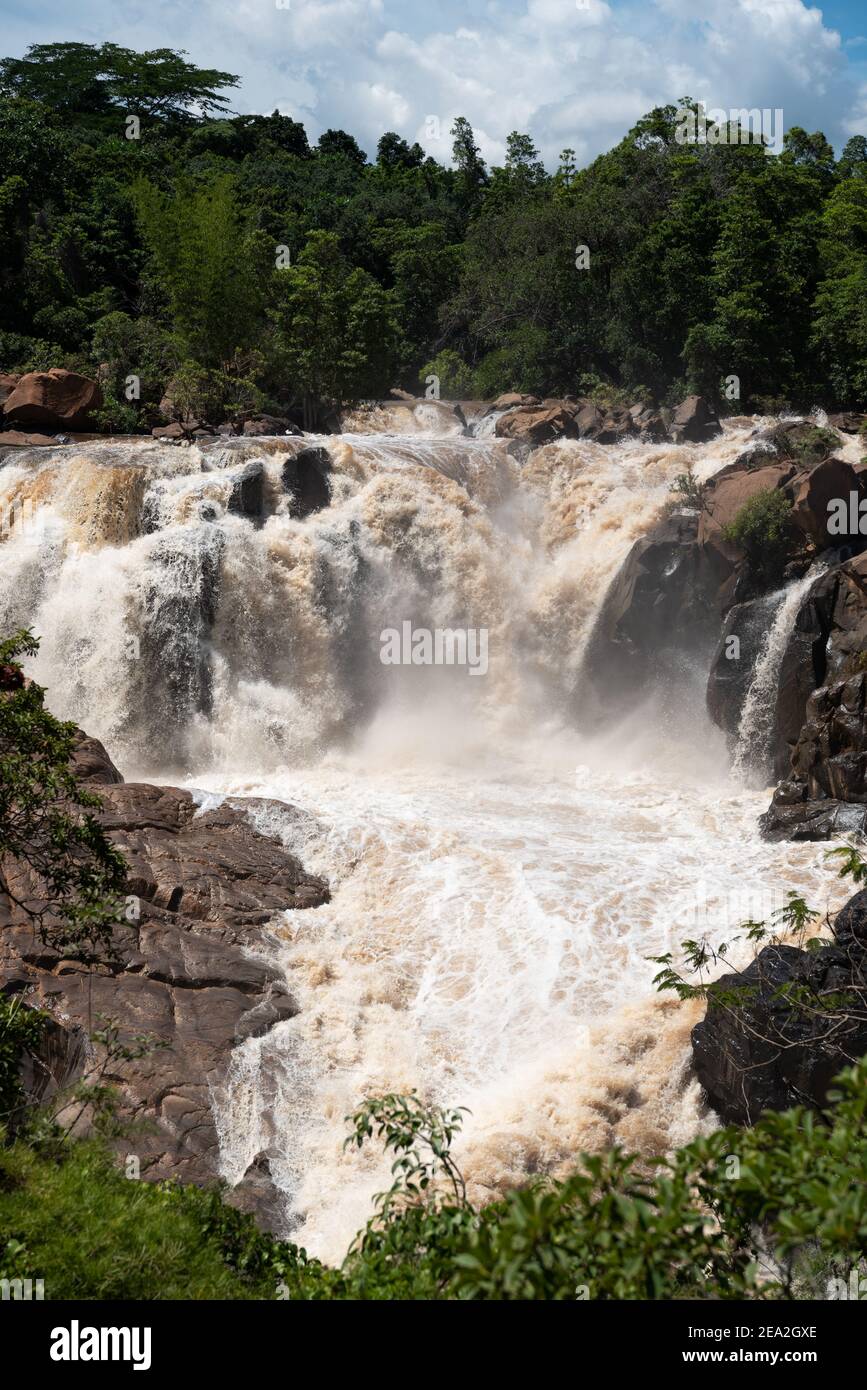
(572, 72)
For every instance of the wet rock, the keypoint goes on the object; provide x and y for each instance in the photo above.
(825, 653)
(258, 1194)
(264, 425)
(306, 478)
(744, 633)
(510, 400)
(848, 421)
(694, 422)
(759, 1048)
(661, 608)
(188, 968)
(19, 439)
(51, 399)
(829, 761)
(247, 497)
(538, 426)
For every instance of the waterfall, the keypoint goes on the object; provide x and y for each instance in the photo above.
(753, 748)
(498, 876)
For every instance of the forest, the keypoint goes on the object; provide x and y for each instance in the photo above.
(149, 235)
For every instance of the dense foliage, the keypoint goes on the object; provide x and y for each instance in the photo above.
(230, 250)
(775, 1211)
(57, 865)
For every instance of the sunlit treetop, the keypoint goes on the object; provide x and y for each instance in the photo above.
(93, 79)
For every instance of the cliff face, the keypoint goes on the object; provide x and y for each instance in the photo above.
(202, 888)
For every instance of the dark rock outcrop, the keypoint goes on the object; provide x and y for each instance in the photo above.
(826, 791)
(820, 712)
(662, 607)
(49, 400)
(849, 421)
(264, 425)
(188, 967)
(777, 1034)
(694, 422)
(247, 497)
(306, 478)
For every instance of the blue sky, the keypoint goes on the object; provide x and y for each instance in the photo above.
(572, 72)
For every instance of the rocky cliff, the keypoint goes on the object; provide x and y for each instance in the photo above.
(203, 885)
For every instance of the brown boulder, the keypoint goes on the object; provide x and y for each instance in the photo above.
(53, 399)
(694, 422)
(728, 491)
(90, 761)
(813, 491)
(848, 421)
(537, 427)
(170, 432)
(509, 400)
(17, 439)
(588, 421)
(7, 386)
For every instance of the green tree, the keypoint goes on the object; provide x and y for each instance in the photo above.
(471, 171)
(840, 325)
(336, 332)
(97, 79)
(208, 263)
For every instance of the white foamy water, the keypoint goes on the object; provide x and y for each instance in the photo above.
(486, 944)
(498, 876)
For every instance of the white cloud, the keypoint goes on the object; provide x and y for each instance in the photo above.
(569, 74)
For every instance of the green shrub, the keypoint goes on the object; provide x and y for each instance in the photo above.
(47, 820)
(73, 1220)
(455, 377)
(20, 1030)
(763, 530)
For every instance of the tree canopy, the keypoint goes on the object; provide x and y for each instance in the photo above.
(92, 79)
(662, 267)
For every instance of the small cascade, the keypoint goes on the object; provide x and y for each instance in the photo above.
(754, 745)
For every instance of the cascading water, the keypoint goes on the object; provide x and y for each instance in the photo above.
(498, 877)
(777, 613)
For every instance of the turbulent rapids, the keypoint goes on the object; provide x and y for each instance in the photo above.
(500, 867)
